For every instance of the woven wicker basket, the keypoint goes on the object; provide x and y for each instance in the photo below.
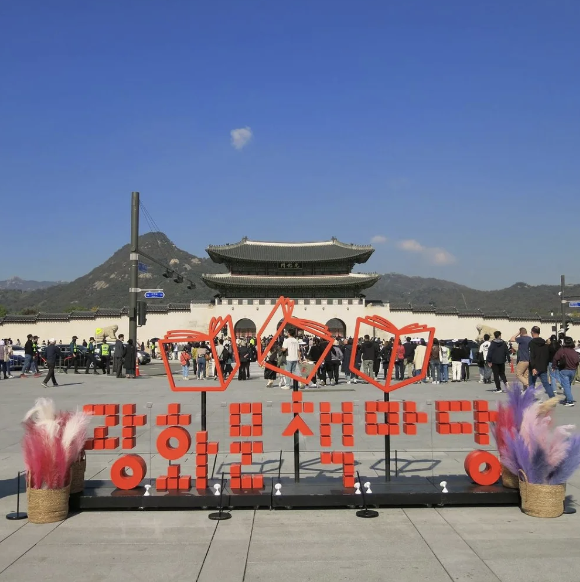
(541, 500)
(47, 505)
(508, 479)
(77, 477)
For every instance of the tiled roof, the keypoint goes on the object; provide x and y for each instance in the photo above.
(351, 280)
(53, 317)
(82, 315)
(108, 312)
(249, 250)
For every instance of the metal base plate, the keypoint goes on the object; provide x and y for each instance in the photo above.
(16, 516)
(219, 516)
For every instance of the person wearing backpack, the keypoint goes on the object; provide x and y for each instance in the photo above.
(566, 360)
(497, 356)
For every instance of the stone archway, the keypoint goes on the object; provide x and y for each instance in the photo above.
(245, 328)
(299, 332)
(337, 327)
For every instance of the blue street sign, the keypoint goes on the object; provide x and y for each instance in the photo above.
(574, 303)
(154, 295)
(142, 267)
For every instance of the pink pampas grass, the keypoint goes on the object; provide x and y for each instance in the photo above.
(52, 442)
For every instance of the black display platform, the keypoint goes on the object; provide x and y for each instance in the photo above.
(309, 493)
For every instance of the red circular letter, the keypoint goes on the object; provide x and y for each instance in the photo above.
(119, 475)
(183, 443)
(491, 472)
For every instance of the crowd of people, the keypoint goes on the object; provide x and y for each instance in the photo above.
(554, 362)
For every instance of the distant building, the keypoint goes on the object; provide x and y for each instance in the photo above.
(297, 270)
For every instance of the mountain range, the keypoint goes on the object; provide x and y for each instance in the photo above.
(107, 286)
(18, 284)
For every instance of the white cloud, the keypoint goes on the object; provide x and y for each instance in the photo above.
(241, 137)
(379, 239)
(435, 255)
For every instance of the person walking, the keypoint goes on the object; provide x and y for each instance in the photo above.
(435, 363)
(539, 358)
(3, 360)
(566, 359)
(53, 352)
(91, 356)
(456, 355)
(523, 356)
(118, 355)
(28, 354)
(444, 362)
(497, 356)
(73, 355)
(291, 348)
(201, 355)
(554, 346)
(484, 369)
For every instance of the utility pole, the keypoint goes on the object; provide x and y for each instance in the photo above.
(563, 301)
(134, 261)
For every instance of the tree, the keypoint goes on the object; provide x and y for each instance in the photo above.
(28, 311)
(3, 311)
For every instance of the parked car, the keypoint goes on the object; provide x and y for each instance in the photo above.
(144, 357)
(17, 358)
(472, 345)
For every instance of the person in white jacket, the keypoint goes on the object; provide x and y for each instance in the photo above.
(484, 371)
(419, 358)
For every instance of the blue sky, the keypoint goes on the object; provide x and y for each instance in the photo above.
(448, 131)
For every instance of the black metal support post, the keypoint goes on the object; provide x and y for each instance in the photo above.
(204, 411)
(134, 262)
(365, 511)
(563, 300)
(220, 515)
(296, 445)
(18, 515)
(387, 447)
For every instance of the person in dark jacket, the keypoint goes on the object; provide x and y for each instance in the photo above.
(91, 356)
(385, 356)
(456, 356)
(497, 356)
(566, 359)
(118, 356)
(53, 352)
(346, 355)
(409, 357)
(130, 359)
(244, 354)
(332, 362)
(314, 354)
(74, 355)
(28, 355)
(539, 359)
(370, 352)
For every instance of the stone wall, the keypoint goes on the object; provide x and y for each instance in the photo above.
(448, 326)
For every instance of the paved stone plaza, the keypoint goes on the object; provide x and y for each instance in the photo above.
(435, 544)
